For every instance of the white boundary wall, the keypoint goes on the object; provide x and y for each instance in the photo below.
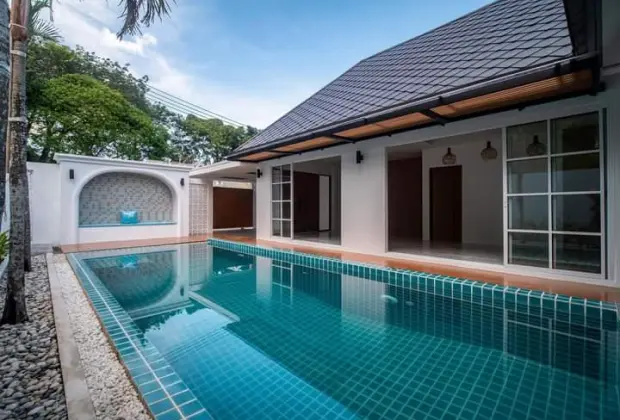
(54, 200)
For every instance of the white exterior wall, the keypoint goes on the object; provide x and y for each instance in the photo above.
(364, 200)
(54, 200)
(263, 204)
(482, 188)
(364, 187)
(44, 186)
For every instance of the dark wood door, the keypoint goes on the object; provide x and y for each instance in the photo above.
(446, 210)
(405, 198)
(306, 202)
(232, 208)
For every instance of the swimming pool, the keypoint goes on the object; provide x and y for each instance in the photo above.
(224, 330)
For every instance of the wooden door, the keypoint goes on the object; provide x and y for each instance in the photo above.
(405, 198)
(232, 208)
(306, 202)
(446, 209)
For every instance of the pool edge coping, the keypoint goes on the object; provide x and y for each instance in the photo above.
(78, 400)
(485, 286)
(123, 360)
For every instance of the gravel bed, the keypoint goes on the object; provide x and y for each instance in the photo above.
(30, 377)
(114, 396)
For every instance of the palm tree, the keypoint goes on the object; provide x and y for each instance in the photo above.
(135, 14)
(15, 302)
(141, 12)
(4, 94)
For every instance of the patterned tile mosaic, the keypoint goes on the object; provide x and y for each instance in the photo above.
(198, 201)
(106, 195)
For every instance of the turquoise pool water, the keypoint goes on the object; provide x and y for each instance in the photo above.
(208, 332)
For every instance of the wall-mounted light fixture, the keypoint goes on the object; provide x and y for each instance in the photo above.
(489, 152)
(71, 174)
(259, 173)
(449, 158)
(359, 157)
(182, 181)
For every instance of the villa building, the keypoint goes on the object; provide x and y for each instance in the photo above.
(492, 141)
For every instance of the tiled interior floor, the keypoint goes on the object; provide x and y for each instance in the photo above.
(327, 237)
(464, 252)
(588, 291)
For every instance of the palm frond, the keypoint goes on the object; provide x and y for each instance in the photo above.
(142, 12)
(40, 28)
(43, 30)
(37, 6)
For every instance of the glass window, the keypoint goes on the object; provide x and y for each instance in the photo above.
(286, 209)
(575, 134)
(577, 213)
(286, 228)
(286, 191)
(571, 160)
(577, 253)
(527, 140)
(576, 173)
(281, 201)
(527, 176)
(528, 212)
(528, 249)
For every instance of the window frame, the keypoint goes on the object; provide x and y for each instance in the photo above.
(550, 194)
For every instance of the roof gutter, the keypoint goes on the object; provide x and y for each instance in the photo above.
(560, 68)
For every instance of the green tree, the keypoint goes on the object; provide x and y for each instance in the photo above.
(78, 114)
(212, 140)
(136, 13)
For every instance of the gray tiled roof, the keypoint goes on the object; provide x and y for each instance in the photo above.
(501, 38)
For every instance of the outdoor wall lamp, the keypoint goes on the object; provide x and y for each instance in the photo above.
(182, 181)
(259, 173)
(71, 174)
(359, 157)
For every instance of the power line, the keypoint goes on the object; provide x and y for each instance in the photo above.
(182, 108)
(163, 96)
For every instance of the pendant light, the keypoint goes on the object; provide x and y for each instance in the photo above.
(489, 152)
(449, 158)
(536, 148)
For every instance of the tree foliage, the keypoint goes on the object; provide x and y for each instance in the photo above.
(85, 116)
(81, 115)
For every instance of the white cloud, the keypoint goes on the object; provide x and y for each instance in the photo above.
(91, 24)
(110, 40)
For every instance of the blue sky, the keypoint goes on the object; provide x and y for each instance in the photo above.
(253, 60)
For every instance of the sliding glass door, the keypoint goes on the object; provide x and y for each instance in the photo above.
(281, 201)
(554, 194)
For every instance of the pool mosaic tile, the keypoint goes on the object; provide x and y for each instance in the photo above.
(136, 352)
(318, 338)
(576, 310)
